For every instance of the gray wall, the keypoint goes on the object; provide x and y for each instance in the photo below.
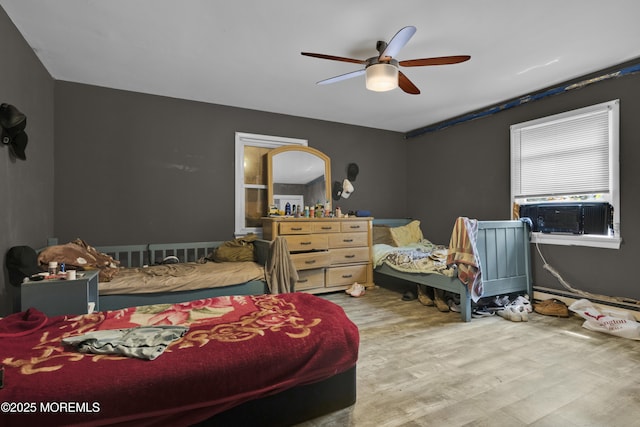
(136, 168)
(474, 182)
(26, 187)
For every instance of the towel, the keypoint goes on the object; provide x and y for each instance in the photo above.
(280, 271)
(464, 254)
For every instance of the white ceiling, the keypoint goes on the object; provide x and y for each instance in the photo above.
(246, 53)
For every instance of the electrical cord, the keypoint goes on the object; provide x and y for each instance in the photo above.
(566, 285)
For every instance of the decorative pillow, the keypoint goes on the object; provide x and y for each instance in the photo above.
(382, 235)
(406, 234)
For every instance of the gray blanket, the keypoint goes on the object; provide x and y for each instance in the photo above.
(143, 342)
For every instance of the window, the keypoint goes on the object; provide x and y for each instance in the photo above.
(251, 178)
(565, 158)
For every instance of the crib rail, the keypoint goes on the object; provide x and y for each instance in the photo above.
(185, 252)
(155, 253)
(128, 255)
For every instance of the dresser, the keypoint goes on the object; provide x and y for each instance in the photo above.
(330, 254)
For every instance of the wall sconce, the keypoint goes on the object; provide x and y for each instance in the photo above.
(381, 77)
(13, 123)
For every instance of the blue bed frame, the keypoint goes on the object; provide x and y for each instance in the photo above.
(504, 251)
(147, 254)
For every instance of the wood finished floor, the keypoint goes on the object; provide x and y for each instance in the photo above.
(420, 367)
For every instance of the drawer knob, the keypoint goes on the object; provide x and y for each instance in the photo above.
(303, 280)
(347, 240)
(347, 276)
(311, 261)
(350, 256)
(355, 226)
(305, 243)
(296, 228)
(325, 228)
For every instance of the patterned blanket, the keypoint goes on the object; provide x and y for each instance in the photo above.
(423, 257)
(236, 349)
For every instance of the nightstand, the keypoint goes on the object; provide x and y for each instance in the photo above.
(55, 297)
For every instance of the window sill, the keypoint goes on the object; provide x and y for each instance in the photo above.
(591, 240)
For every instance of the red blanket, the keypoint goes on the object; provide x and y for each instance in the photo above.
(237, 348)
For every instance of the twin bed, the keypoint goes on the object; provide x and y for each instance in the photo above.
(503, 248)
(146, 280)
(164, 273)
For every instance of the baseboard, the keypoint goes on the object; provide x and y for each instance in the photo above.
(542, 293)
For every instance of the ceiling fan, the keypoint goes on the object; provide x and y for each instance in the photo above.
(381, 72)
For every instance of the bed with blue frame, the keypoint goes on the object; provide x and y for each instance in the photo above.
(139, 256)
(504, 252)
(162, 273)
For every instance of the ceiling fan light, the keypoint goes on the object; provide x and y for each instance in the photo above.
(381, 77)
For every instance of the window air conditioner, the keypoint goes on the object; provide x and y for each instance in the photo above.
(575, 218)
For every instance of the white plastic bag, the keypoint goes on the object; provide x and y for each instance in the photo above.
(610, 321)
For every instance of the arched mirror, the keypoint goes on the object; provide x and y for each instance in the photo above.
(298, 175)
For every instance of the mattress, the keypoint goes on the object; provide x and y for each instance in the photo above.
(181, 277)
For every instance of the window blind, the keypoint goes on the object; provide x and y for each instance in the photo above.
(566, 155)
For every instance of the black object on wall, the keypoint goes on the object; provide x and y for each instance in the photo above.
(13, 123)
(346, 188)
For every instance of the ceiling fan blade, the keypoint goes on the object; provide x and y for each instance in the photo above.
(397, 42)
(342, 77)
(406, 84)
(333, 58)
(443, 60)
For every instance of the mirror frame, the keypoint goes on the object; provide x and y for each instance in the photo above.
(310, 150)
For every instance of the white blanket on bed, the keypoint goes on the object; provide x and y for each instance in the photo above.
(423, 257)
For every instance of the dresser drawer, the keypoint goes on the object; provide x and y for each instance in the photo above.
(358, 226)
(307, 242)
(326, 227)
(309, 260)
(309, 279)
(296, 228)
(348, 240)
(341, 276)
(349, 255)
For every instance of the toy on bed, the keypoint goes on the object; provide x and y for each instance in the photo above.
(243, 360)
(483, 258)
(133, 275)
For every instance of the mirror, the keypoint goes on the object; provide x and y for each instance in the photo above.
(298, 175)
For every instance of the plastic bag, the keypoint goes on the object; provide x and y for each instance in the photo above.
(614, 322)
